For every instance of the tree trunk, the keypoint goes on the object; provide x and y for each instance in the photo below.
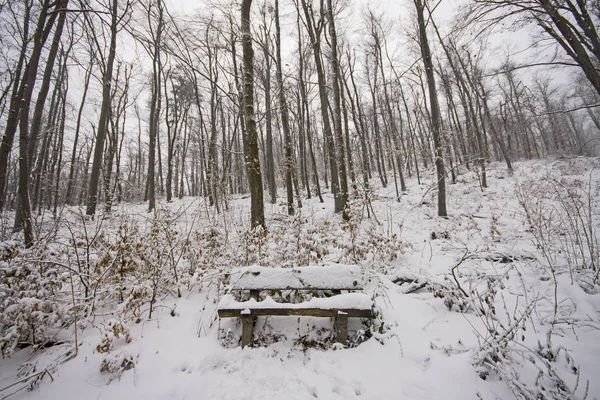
(92, 195)
(88, 74)
(43, 29)
(306, 114)
(337, 115)
(36, 120)
(14, 107)
(330, 144)
(435, 110)
(257, 215)
(289, 162)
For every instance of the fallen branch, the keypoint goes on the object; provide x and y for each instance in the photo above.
(38, 377)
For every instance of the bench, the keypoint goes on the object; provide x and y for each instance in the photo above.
(334, 278)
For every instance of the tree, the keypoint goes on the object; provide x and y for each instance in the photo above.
(86, 85)
(315, 29)
(265, 43)
(45, 23)
(257, 214)
(304, 117)
(337, 114)
(107, 77)
(436, 118)
(153, 47)
(15, 102)
(285, 119)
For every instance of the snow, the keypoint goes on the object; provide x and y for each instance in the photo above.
(357, 301)
(331, 277)
(419, 349)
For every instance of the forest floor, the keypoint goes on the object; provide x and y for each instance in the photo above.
(491, 302)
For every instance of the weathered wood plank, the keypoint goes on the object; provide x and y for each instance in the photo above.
(300, 312)
(247, 327)
(341, 327)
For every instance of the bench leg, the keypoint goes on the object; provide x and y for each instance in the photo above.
(247, 328)
(341, 327)
(254, 294)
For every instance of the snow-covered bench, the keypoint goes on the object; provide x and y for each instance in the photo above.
(335, 278)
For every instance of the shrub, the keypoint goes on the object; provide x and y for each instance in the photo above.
(29, 306)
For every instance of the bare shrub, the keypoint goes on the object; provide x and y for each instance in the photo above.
(530, 372)
(563, 223)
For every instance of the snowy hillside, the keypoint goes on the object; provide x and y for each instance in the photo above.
(499, 300)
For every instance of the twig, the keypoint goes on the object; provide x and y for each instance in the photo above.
(463, 258)
(37, 375)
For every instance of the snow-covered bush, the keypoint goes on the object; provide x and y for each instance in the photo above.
(206, 248)
(115, 336)
(296, 240)
(114, 332)
(30, 301)
(116, 363)
(127, 267)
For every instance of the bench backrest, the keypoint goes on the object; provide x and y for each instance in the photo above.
(331, 277)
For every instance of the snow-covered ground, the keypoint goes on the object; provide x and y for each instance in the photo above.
(470, 306)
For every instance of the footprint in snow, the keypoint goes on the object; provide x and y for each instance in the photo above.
(185, 368)
(357, 387)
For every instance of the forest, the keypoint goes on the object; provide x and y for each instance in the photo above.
(450, 148)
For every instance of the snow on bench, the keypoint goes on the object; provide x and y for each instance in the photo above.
(331, 277)
(335, 278)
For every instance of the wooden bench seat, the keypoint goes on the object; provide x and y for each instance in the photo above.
(330, 278)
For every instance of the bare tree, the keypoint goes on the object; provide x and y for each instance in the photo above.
(315, 28)
(257, 214)
(337, 114)
(435, 109)
(46, 21)
(289, 163)
(107, 78)
(86, 85)
(18, 89)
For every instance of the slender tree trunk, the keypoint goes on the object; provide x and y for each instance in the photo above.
(257, 215)
(60, 145)
(269, 155)
(337, 115)
(358, 119)
(347, 131)
(15, 105)
(435, 110)
(316, 44)
(92, 196)
(88, 74)
(45, 23)
(36, 120)
(289, 162)
(379, 157)
(305, 112)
